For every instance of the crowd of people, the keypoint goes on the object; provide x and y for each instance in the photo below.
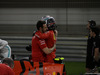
(93, 47)
(44, 46)
(47, 40)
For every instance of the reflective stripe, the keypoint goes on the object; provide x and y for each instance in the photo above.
(9, 50)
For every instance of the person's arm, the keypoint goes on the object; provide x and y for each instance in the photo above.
(3, 43)
(42, 35)
(96, 54)
(44, 47)
(96, 50)
(49, 50)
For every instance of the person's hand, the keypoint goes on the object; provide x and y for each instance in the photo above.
(56, 33)
(55, 45)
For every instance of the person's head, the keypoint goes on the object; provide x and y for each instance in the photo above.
(41, 26)
(50, 21)
(9, 62)
(94, 31)
(91, 23)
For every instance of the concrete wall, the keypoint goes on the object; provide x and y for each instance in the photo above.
(70, 21)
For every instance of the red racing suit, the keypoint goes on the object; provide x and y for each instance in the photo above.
(6, 70)
(37, 45)
(50, 39)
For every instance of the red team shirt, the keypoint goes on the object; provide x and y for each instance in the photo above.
(6, 70)
(37, 45)
(50, 40)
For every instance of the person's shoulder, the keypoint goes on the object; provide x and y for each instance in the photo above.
(5, 66)
(47, 32)
(33, 37)
(1, 65)
(38, 32)
(10, 70)
(50, 32)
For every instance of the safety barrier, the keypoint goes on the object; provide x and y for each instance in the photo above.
(24, 67)
(71, 48)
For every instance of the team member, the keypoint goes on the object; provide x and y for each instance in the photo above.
(49, 37)
(39, 47)
(5, 50)
(89, 57)
(94, 32)
(6, 67)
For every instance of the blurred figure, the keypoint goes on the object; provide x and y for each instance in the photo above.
(6, 67)
(89, 57)
(94, 32)
(39, 47)
(91, 23)
(5, 50)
